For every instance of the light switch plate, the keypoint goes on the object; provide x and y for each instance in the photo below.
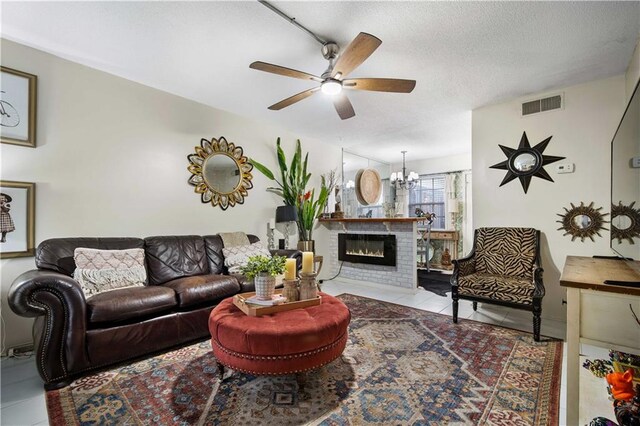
(635, 162)
(565, 168)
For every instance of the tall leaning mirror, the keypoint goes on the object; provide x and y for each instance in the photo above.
(357, 201)
(625, 182)
(220, 173)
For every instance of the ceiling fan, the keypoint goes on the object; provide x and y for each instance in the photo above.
(333, 80)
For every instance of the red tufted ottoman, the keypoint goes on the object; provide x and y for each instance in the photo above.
(287, 342)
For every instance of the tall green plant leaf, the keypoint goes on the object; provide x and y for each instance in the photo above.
(262, 169)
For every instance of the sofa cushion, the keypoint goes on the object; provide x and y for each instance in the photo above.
(56, 254)
(203, 289)
(497, 287)
(215, 258)
(128, 303)
(169, 258)
(246, 285)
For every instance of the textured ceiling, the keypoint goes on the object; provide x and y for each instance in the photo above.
(463, 56)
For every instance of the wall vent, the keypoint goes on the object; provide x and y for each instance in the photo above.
(542, 105)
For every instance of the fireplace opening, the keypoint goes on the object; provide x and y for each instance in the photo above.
(367, 248)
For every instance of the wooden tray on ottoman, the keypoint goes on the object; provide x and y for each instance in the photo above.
(258, 310)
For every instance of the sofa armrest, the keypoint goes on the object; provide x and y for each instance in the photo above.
(292, 254)
(60, 329)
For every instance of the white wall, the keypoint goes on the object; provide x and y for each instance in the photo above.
(452, 163)
(111, 160)
(633, 72)
(582, 132)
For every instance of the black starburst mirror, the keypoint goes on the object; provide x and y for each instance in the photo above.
(526, 162)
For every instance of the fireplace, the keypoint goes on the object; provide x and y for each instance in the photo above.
(367, 248)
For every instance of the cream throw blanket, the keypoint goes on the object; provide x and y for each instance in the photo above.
(234, 239)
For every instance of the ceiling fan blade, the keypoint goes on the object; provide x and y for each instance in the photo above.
(355, 53)
(287, 72)
(380, 84)
(343, 106)
(293, 99)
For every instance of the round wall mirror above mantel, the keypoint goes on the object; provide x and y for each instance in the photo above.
(582, 221)
(220, 173)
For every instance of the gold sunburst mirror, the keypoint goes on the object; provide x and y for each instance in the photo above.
(625, 222)
(582, 221)
(220, 173)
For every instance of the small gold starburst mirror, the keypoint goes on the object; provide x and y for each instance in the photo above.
(220, 173)
(582, 221)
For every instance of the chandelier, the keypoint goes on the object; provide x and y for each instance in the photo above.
(401, 179)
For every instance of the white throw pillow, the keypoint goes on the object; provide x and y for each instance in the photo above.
(238, 256)
(98, 271)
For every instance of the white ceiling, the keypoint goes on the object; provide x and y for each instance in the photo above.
(463, 56)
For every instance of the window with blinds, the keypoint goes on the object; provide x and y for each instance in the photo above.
(429, 195)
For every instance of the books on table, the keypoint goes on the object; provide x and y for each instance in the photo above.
(275, 300)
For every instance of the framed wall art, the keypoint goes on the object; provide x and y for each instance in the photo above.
(18, 100)
(17, 219)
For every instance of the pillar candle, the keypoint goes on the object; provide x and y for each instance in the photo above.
(290, 270)
(272, 224)
(307, 262)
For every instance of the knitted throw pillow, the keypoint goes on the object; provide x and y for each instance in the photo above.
(98, 271)
(238, 256)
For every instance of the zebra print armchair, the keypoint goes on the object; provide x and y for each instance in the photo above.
(503, 269)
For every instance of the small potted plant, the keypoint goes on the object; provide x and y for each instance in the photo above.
(263, 270)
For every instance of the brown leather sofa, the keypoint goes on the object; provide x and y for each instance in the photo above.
(74, 336)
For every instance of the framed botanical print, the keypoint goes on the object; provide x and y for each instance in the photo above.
(17, 219)
(18, 99)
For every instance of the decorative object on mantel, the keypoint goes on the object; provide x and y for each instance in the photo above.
(338, 213)
(263, 270)
(17, 219)
(292, 188)
(18, 98)
(526, 162)
(582, 221)
(220, 173)
(625, 222)
(368, 186)
(403, 180)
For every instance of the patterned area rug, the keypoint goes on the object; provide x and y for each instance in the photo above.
(402, 366)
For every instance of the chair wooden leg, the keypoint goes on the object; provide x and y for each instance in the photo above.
(537, 321)
(475, 306)
(455, 311)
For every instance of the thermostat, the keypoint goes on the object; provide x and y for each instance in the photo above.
(565, 168)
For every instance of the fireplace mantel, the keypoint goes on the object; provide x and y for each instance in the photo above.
(375, 219)
(386, 221)
(402, 275)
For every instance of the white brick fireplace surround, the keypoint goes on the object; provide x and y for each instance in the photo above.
(403, 275)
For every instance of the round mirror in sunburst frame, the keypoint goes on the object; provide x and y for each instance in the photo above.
(582, 221)
(220, 173)
(625, 222)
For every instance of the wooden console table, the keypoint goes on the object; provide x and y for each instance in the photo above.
(598, 314)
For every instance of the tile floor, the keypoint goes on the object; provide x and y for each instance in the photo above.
(22, 394)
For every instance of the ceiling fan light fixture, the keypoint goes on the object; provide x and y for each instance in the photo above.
(331, 87)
